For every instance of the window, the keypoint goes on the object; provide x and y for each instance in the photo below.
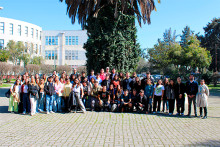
(66, 37)
(11, 29)
(46, 55)
(36, 34)
(66, 54)
(73, 40)
(55, 54)
(2, 27)
(46, 40)
(19, 30)
(26, 31)
(76, 55)
(73, 55)
(70, 40)
(1, 43)
(76, 40)
(51, 40)
(32, 32)
(36, 47)
(51, 54)
(39, 49)
(56, 41)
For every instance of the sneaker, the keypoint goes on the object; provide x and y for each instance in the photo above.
(182, 114)
(24, 113)
(204, 117)
(170, 113)
(84, 112)
(52, 112)
(201, 116)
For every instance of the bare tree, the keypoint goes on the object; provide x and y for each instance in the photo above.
(46, 69)
(66, 68)
(5, 68)
(33, 69)
(17, 70)
(80, 69)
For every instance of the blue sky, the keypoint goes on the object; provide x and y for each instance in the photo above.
(51, 15)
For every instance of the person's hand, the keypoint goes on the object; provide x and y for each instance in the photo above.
(141, 104)
(150, 97)
(180, 96)
(193, 96)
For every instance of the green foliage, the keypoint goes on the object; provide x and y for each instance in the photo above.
(111, 42)
(4, 55)
(25, 58)
(37, 60)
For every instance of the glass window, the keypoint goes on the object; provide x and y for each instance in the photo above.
(66, 54)
(1, 43)
(49, 54)
(66, 37)
(76, 40)
(26, 31)
(36, 34)
(50, 40)
(70, 40)
(32, 32)
(55, 53)
(39, 49)
(46, 40)
(11, 29)
(2, 27)
(70, 55)
(52, 55)
(73, 55)
(46, 55)
(19, 30)
(76, 55)
(53, 40)
(56, 40)
(73, 40)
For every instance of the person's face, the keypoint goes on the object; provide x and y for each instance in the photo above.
(24, 77)
(84, 83)
(171, 82)
(149, 82)
(141, 94)
(41, 81)
(92, 72)
(32, 79)
(137, 79)
(51, 80)
(134, 74)
(148, 76)
(119, 87)
(202, 82)
(92, 80)
(26, 80)
(107, 70)
(61, 80)
(179, 80)
(17, 82)
(113, 70)
(127, 75)
(83, 74)
(76, 81)
(68, 81)
(126, 93)
(107, 77)
(160, 82)
(56, 79)
(102, 71)
(191, 77)
(74, 70)
(104, 88)
(97, 76)
(166, 80)
(134, 92)
(96, 84)
(37, 80)
(111, 87)
(54, 72)
(116, 77)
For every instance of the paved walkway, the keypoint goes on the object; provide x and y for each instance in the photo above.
(109, 129)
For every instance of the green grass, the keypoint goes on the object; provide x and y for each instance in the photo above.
(214, 89)
(12, 81)
(5, 85)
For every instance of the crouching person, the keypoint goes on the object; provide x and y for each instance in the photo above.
(126, 101)
(104, 100)
(141, 102)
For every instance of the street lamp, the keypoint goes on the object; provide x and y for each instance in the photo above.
(1, 8)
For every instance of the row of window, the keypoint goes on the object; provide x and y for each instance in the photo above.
(51, 40)
(19, 31)
(1, 43)
(71, 54)
(71, 40)
(51, 54)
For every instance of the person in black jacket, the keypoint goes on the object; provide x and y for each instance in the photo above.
(191, 90)
(141, 101)
(144, 80)
(179, 94)
(106, 82)
(49, 91)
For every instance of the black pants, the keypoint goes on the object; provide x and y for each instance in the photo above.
(171, 105)
(205, 111)
(157, 103)
(20, 105)
(190, 101)
(180, 105)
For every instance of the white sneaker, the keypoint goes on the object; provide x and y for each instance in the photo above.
(52, 112)
(47, 112)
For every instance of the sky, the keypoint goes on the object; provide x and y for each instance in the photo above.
(174, 14)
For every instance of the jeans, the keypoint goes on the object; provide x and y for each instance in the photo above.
(149, 105)
(85, 101)
(157, 103)
(79, 101)
(94, 103)
(105, 105)
(165, 104)
(171, 105)
(57, 103)
(41, 101)
(26, 103)
(49, 103)
(190, 101)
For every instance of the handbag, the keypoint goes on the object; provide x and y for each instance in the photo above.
(7, 94)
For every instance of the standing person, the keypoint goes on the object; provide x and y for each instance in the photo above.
(62, 82)
(72, 78)
(127, 82)
(113, 103)
(37, 81)
(191, 90)
(158, 96)
(78, 95)
(106, 82)
(49, 91)
(148, 91)
(33, 94)
(91, 84)
(98, 79)
(83, 76)
(137, 84)
(57, 95)
(125, 101)
(91, 75)
(26, 99)
(107, 71)
(134, 75)
(180, 89)
(141, 102)
(170, 93)
(202, 98)
(94, 95)
(85, 91)
(104, 99)
(115, 81)
(118, 94)
(102, 74)
(121, 78)
(75, 73)
(144, 80)
(113, 74)
(14, 97)
(41, 100)
(44, 77)
(66, 94)
(166, 91)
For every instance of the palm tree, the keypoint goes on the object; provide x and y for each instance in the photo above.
(82, 9)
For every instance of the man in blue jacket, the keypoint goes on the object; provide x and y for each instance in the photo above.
(191, 90)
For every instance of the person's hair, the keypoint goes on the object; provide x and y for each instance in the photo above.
(83, 72)
(93, 79)
(118, 87)
(148, 72)
(141, 91)
(126, 90)
(191, 75)
(202, 80)
(134, 89)
(96, 81)
(158, 82)
(164, 82)
(92, 70)
(173, 83)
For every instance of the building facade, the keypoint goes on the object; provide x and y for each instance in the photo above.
(29, 34)
(64, 47)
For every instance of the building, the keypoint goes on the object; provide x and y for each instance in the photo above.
(64, 47)
(29, 34)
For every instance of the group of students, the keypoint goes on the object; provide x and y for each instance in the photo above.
(105, 91)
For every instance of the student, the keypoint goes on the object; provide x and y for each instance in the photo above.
(62, 82)
(92, 75)
(144, 80)
(127, 82)
(33, 94)
(66, 93)
(41, 100)
(180, 96)
(106, 82)
(141, 102)
(26, 99)
(75, 73)
(94, 95)
(158, 96)
(121, 78)
(104, 99)
(112, 95)
(56, 96)
(98, 79)
(170, 93)
(134, 96)
(107, 71)
(118, 94)
(113, 74)
(166, 92)
(78, 95)
(148, 92)
(44, 77)
(137, 84)
(14, 97)
(83, 76)
(102, 74)
(191, 90)
(125, 101)
(72, 78)
(49, 91)
(115, 81)
(202, 98)
(85, 91)
(37, 81)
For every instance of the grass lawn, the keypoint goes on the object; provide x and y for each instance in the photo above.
(12, 80)
(214, 89)
(5, 85)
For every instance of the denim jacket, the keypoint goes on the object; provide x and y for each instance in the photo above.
(148, 91)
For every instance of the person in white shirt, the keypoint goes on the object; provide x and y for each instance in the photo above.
(158, 96)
